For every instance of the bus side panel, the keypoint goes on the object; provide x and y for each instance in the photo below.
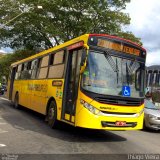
(35, 94)
(38, 99)
(32, 94)
(17, 88)
(56, 91)
(8, 88)
(24, 95)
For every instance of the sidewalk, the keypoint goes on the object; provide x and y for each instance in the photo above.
(4, 95)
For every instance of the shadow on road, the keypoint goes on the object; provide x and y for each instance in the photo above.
(25, 119)
(150, 130)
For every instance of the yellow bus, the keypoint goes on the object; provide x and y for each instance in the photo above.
(93, 81)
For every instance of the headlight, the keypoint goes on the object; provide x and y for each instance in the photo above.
(152, 116)
(138, 114)
(90, 107)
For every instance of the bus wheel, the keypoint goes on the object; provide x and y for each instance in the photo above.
(52, 115)
(16, 101)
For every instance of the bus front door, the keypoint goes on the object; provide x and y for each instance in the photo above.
(71, 85)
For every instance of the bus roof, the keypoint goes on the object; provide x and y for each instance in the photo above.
(45, 52)
(83, 38)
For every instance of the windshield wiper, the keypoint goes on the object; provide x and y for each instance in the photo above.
(112, 63)
(132, 66)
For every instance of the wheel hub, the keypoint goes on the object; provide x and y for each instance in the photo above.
(51, 113)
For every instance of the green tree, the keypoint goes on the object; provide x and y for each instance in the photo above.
(59, 21)
(8, 59)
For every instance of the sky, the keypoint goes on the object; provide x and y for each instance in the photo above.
(145, 24)
(6, 50)
(2, 51)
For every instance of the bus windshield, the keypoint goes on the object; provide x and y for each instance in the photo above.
(107, 74)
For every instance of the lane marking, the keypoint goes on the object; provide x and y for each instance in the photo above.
(2, 145)
(2, 123)
(4, 99)
(3, 132)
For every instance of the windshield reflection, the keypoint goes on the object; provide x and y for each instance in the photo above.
(106, 74)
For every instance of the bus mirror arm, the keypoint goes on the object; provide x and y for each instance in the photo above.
(84, 59)
(83, 68)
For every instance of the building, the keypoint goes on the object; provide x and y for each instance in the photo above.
(153, 76)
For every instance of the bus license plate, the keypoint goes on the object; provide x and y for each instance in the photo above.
(120, 123)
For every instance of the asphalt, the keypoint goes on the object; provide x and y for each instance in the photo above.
(25, 132)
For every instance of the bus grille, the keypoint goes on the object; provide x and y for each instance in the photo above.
(118, 113)
(116, 101)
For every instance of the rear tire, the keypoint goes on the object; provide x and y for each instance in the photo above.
(52, 115)
(16, 101)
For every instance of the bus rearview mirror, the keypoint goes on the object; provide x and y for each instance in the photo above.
(137, 74)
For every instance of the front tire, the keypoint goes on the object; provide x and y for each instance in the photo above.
(52, 115)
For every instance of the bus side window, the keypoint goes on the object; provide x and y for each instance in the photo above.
(56, 68)
(58, 58)
(51, 59)
(18, 71)
(29, 69)
(43, 69)
(22, 68)
(26, 71)
(16, 76)
(34, 68)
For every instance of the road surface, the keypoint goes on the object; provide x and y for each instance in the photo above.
(25, 132)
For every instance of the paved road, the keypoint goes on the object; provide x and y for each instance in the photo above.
(25, 132)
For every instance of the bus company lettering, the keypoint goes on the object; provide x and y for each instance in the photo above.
(108, 108)
(118, 47)
(38, 87)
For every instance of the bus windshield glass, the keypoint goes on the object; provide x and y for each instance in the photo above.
(107, 74)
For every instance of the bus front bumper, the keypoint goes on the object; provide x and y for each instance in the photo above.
(87, 119)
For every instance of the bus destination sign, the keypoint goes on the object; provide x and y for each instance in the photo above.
(118, 47)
